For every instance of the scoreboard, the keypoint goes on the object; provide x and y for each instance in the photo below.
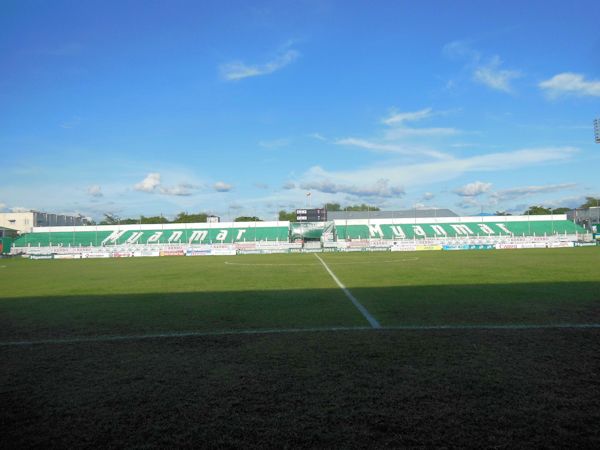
(311, 215)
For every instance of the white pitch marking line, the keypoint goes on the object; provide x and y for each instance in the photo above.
(134, 337)
(367, 315)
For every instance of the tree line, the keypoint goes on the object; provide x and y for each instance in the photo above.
(539, 210)
(183, 217)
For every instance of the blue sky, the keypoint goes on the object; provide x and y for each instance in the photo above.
(241, 108)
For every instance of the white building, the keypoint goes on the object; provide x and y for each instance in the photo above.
(23, 222)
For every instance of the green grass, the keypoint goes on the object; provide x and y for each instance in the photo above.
(485, 287)
(70, 298)
(363, 388)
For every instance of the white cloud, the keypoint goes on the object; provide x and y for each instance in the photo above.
(2, 206)
(487, 73)
(473, 189)
(468, 203)
(289, 185)
(398, 174)
(274, 143)
(460, 50)
(403, 149)
(380, 188)
(317, 136)
(402, 117)
(19, 209)
(405, 132)
(220, 186)
(148, 184)
(180, 190)
(569, 83)
(494, 77)
(509, 194)
(428, 196)
(94, 191)
(152, 184)
(239, 70)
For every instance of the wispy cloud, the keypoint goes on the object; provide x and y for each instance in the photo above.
(399, 138)
(317, 136)
(402, 149)
(274, 143)
(484, 70)
(221, 186)
(398, 118)
(518, 192)
(238, 70)
(180, 190)
(494, 77)
(397, 174)
(398, 128)
(473, 189)
(94, 191)
(573, 84)
(460, 50)
(380, 188)
(288, 185)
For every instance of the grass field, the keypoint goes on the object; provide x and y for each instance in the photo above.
(489, 348)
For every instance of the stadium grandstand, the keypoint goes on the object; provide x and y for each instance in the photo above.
(387, 232)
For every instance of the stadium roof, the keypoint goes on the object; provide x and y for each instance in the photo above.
(404, 214)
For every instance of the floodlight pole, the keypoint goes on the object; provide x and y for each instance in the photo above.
(597, 130)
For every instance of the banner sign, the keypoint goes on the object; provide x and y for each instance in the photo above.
(95, 255)
(197, 252)
(39, 256)
(560, 244)
(172, 253)
(67, 256)
(145, 253)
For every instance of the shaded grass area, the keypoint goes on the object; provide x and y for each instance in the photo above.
(500, 388)
(123, 314)
(74, 316)
(524, 303)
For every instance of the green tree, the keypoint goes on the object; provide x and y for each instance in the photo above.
(153, 219)
(590, 202)
(333, 207)
(361, 207)
(537, 211)
(109, 219)
(184, 217)
(561, 210)
(247, 219)
(290, 216)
